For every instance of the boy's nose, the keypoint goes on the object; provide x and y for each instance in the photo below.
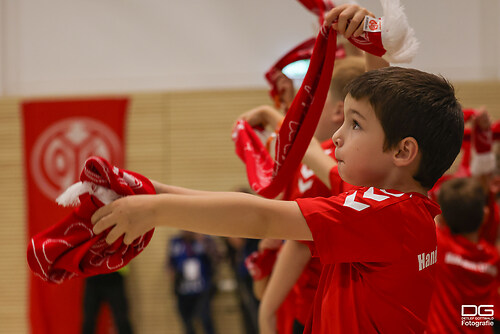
(336, 138)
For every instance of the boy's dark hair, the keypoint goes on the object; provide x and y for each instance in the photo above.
(412, 103)
(462, 204)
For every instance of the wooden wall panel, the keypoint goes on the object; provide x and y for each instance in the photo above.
(201, 154)
(147, 282)
(13, 267)
(476, 94)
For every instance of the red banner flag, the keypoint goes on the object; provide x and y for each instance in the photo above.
(58, 137)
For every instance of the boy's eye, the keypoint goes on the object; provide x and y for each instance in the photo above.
(355, 125)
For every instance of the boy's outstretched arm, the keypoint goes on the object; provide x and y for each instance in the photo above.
(162, 188)
(217, 213)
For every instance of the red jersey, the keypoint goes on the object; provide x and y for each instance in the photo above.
(378, 250)
(467, 274)
(305, 289)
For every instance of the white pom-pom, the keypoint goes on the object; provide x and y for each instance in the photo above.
(398, 37)
(70, 197)
(105, 195)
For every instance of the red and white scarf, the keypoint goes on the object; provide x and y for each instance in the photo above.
(268, 177)
(390, 37)
(70, 248)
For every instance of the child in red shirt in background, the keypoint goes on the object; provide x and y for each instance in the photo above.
(467, 268)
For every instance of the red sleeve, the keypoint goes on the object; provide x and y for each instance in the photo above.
(359, 226)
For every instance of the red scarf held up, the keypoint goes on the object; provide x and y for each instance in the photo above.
(268, 177)
(371, 39)
(70, 248)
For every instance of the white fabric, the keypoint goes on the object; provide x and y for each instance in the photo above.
(482, 163)
(70, 197)
(398, 37)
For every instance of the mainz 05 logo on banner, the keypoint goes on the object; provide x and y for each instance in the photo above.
(61, 150)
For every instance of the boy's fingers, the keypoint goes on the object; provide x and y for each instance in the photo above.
(332, 15)
(103, 224)
(358, 31)
(114, 234)
(100, 213)
(355, 24)
(128, 239)
(344, 18)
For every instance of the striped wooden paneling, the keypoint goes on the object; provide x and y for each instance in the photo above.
(476, 94)
(13, 278)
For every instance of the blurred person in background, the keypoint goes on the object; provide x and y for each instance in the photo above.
(192, 260)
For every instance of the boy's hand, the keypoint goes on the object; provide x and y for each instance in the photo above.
(129, 216)
(347, 19)
(262, 115)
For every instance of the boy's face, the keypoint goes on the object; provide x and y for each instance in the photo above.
(360, 142)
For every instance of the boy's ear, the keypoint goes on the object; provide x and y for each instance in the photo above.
(406, 152)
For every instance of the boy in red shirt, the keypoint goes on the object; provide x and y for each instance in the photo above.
(467, 269)
(402, 130)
